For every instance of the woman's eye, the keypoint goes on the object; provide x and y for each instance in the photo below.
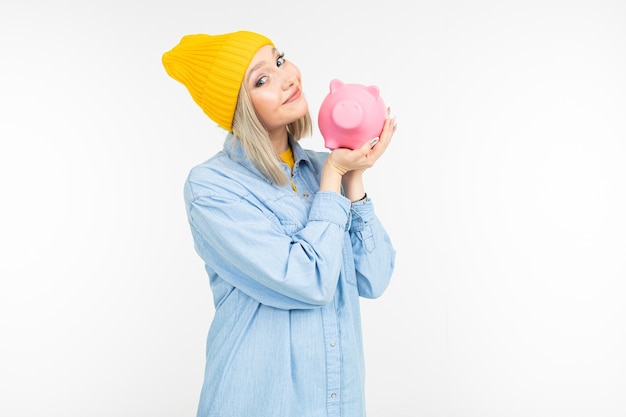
(280, 60)
(261, 81)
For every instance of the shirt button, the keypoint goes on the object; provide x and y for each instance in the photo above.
(333, 344)
(333, 395)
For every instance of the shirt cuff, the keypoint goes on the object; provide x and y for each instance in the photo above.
(330, 207)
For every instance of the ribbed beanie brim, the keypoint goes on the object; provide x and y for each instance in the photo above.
(212, 68)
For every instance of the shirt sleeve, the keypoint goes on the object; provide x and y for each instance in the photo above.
(374, 254)
(252, 253)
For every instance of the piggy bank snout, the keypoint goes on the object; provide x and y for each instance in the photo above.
(347, 114)
(351, 114)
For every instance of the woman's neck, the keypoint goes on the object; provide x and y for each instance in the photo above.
(280, 141)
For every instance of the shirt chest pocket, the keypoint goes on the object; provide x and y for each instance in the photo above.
(290, 227)
(290, 212)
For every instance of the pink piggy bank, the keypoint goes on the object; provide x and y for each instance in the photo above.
(350, 115)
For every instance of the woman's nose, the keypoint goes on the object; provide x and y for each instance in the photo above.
(289, 79)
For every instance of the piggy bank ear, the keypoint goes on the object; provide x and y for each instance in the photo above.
(335, 85)
(373, 90)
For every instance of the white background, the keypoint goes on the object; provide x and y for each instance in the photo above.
(503, 191)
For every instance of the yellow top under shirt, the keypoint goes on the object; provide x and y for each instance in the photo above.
(287, 158)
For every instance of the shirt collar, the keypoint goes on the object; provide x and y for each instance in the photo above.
(234, 149)
(299, 154)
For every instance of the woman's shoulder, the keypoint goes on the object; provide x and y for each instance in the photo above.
(218, 175)
(315, 156)
(212, 166)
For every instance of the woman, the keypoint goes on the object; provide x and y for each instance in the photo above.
(289, 238)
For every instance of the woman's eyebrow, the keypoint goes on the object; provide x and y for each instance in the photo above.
(260, 64)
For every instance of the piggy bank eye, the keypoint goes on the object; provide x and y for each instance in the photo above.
(280, 60)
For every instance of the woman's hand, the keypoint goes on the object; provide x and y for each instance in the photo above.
(344, 160)
(341, 161)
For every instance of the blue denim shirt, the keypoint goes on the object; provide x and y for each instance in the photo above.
(286, 270)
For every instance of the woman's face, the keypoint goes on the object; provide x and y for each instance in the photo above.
(275, 89)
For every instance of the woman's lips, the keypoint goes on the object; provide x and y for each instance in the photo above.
(294, 96)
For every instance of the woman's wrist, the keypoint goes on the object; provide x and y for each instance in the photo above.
(331, 178)
(360, 199)
(352, 183)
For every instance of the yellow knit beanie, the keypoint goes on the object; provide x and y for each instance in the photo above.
(212, 68)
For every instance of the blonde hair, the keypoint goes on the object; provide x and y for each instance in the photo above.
(256, 141)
